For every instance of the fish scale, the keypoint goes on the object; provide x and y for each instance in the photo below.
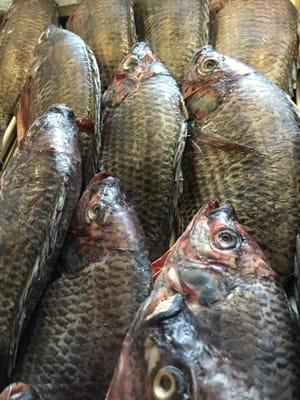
(141, 138)
(174, 29)
(74, 340)
(263, 185)
(19, 33)
(47, 84)
(265, 35)
(108, 28)
(44, 180)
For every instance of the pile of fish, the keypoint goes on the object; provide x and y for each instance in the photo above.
(149, 201)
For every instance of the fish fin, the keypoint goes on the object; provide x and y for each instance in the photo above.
(215, 140)
(158, 264)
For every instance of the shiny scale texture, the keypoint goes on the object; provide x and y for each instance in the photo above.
(20, 30)
(260, 33)
(108, 28)
(38, 195)
(65, 71)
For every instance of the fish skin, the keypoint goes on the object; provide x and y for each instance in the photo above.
(78, 86)
(108, 27)
(16, 49)
(237, 300)
(38, 194)
(174, 29)
(144, 133)
(265, 36)
(76, 338)
(19, 391)
(243, 147)
(165, 333)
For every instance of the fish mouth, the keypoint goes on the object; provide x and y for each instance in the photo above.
(142, 51)
(14, 391)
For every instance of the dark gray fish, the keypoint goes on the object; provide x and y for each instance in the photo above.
(239, 305)
(260, 33)
(19, 391)
(164, 357)
(144, 133)
(38, 194)
(108, 28)
(65, 71)
(76, 337)
(174, 29)
(244, 147)
(20, 30)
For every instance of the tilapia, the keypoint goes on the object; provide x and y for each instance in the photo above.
(244, 147)
(20, 30)
(234, 294)
(76, 338)
(19, 391)
(144, 133)
(174, 29)
(65, 71)
(108, 28)
(164, 356)
(38, 195)
(263, 34)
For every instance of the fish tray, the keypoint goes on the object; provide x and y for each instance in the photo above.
(65, 6)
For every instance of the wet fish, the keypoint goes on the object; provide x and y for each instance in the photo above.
(263, 34)
(76, 338)
(65, 71)
(38, 194)
(240, 306)
(108, 28)
(19, 391)
(164, 356)
(20, 30)
(174, 29)
(244, 147)
(144, 134)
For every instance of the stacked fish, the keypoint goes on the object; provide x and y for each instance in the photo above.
(150, 202)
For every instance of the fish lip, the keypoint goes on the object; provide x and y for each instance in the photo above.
(14, 390)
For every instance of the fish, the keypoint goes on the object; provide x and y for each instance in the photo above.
(76, 337)
(39, 191)
(19, 391)
(108, 27)
(174, 29)
(266, 36)
(164, 356)
(243, 147)
(20, 29)
(236, 298)
(65, 71)
(143, 137)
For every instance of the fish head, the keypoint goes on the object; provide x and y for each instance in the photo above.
(19, 391)
(212, 253)
(104, 218)
(140, 64)
(209, 77)
(165, 357)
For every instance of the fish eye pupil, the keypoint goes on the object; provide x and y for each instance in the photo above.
(165, 383)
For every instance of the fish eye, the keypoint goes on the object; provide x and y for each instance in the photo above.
(130, 63)
(96, 212)
(227, 240)
(208, 65)
(169, 383)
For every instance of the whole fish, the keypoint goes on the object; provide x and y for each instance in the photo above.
(174, 29)
(65, 71)
(237, 300)
(108, 28)
(244, 147)
(164, 356)
(263, 34)
(19, 391)
(82, 320)
(144, 134)
(38, 194)
(22, 25)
